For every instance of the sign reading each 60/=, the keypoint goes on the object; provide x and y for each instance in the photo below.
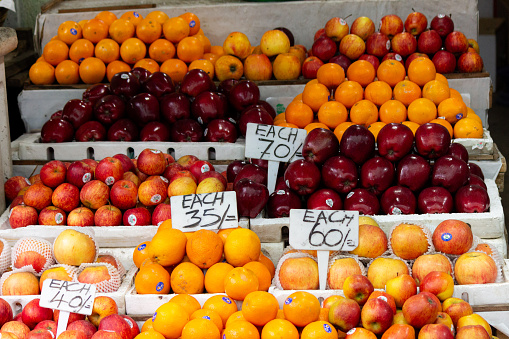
(192, 212)
(68, 296)
(333, 230)
(274, 143)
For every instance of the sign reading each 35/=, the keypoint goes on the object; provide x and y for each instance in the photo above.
(217, 210)
(274, 143)
(68, 296)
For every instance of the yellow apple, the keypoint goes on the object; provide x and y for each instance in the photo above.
(274, 42)
(372, 241)
(74, 248)
(59, 273)
(456, 308)
(237, 43)
(341, 269)
(383, 269)
(299, 274)
(209, 185)
(286, 67)
(475, 268)
(473, 319)
(21, 283)
(409, 241)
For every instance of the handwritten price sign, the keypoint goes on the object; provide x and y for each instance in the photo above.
(68, 296)
(267, 142)
(324, 230)
(210, 211)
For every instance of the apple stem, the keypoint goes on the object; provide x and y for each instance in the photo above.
(35, 169)
(347, 16)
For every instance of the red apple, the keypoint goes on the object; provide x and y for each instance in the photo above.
(404, 44)
(363, 27)
(109, 170)
(124, 194)
(358, 288)
(39, 333)
(345, 314)
(72, 318)
(94, 194)
(440, 284)
(432, 331)
(138, 216)
(108, 215)
(421, 309)
(372, 59)
(429, 42)
(475, 268)
(66, 196)
(444, 61)
(52, 215)
(376, 316)
(83, 326)
(453, 237)
(135, 330)
(443, 24)
(391, 25)
(151, 162)
(324, 48)
(80, 216)
(21, 216)
(33, 314)
(428, 263)
(5, 312)
(401, 288)
(336, 29)
(378, 44)
(310, 67)
(416, 23)
(79, 173)
(152, 192)
(49, 325)
(13, 185)
(352, 46)
(38, 196)
(53, 173)
(470, 62)
(161, 213)
(456, 43)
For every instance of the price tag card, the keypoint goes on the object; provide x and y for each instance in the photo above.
(267, 142)
(324, 230)
(210, 211)
(68, 296)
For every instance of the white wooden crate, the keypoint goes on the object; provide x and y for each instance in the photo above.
(489, 225)
(17, 302)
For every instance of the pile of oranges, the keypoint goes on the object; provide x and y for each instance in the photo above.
(260, 317)
(91, 50)
(174, 261)
(391, 94)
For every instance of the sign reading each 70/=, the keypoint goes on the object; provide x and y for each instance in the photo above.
(68, 296)
(274, 143)
(334, 230)
(192, 212)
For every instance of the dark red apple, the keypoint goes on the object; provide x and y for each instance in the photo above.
(252, 172)
(155, 131)
(171, 169)
(57, 130)
(254, 114)
(186, 130)
(476, 169)
(220, 130)
(357, 143)
(340, 173)
(393, 56)
(341, 60)
(310, 67)
(158, 84)
(319, 145)
(444, 61)
(175, 106)
(196, 81)
(377, 174)
(450, 173)
(141, 73)
(413, 171)
(77, 112)
(435, 200)
(91, 131)
(404, 44)
(123, 130)
(476, 180)
(472, 199)
(432, 140)
(443, 24)
(57, 114)
(234, 168)
(362, 200)
(143, 108)
(324, 199)
(251, 197)
(79, 173)
(429, 42)
(324, 48)
(416, 23)
(470, 62)
(125, 84)
(456, 43)
(139, 216)
(208, 106)
(459, 151)
(398, 200)
(95, 92)
(395, 141)
(268, 107)
(243, 94)
(378, 44)
(226, 85)
(281, 201)
(200, 167)
(302, 176)
(109, 108)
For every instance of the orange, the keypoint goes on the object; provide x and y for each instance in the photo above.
(132, 16)
(204, 248)
(324, 314)
(241, 330)
(280, 314)
(406, 91)
(471, 114)
(41, 58)
(262, 273)
(468, 128)
(69, 32)
(391, 71)
(348, 93)
(260, 307)
(364, 112)
(165, 225)
(67, 73)
(115, 67)
(280, 117)
(442, 78)
(149, 64)
(187, 278)
(209, 315)
(95, 30)
(205, 42)
(175, 29)
(148, 30)
(200, 329)
(444, 123)
(332, 113)
(140, 253)
(149, 334)
(82, 23)
(421, 111)
(188, 302)
(147, 326)
(193, 22)
(341, 128)
(204, 65)
(42, 73)
(190, 49)
(279, 328)
(161, 50)
(436, 91)
(211, 57)
(375, 128)
(421, 70)
(223, 305)
(412, 125)
(158, 16)
(455, 93)
(320, 329)
(80, 50)
(378, 92)
(152, 279)
(235, 317)
(241, 247)
(225, 232)
(392, 111)
(301, 308)
(175, 68)
(167, 247)
(239, 282)
(92, 70)
(452, 110)
(132, 50)
(107, 50)
(169, 319)
(268, 263)
(361, 71)
(107, 17)
(55, 52)
(315, 95)
(313, 125)
(331, 75)
(285, 124)
(217, 50)
(121, 29)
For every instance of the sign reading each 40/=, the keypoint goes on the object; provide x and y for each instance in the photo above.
(68, 296)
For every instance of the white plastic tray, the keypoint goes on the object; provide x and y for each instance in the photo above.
(489, 225)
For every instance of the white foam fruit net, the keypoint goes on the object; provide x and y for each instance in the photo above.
(85, 230)
(6, 275)
(5, 256)
(32, 244)
(120, 267)
(106, 286)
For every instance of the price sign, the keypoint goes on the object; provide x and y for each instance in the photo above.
(274, 143)
(68, 296)
(324, 230)
(210, 211)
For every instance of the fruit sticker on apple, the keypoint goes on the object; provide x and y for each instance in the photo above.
(324, 231)
(212, 211)
(275, 144)
(67, 297)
